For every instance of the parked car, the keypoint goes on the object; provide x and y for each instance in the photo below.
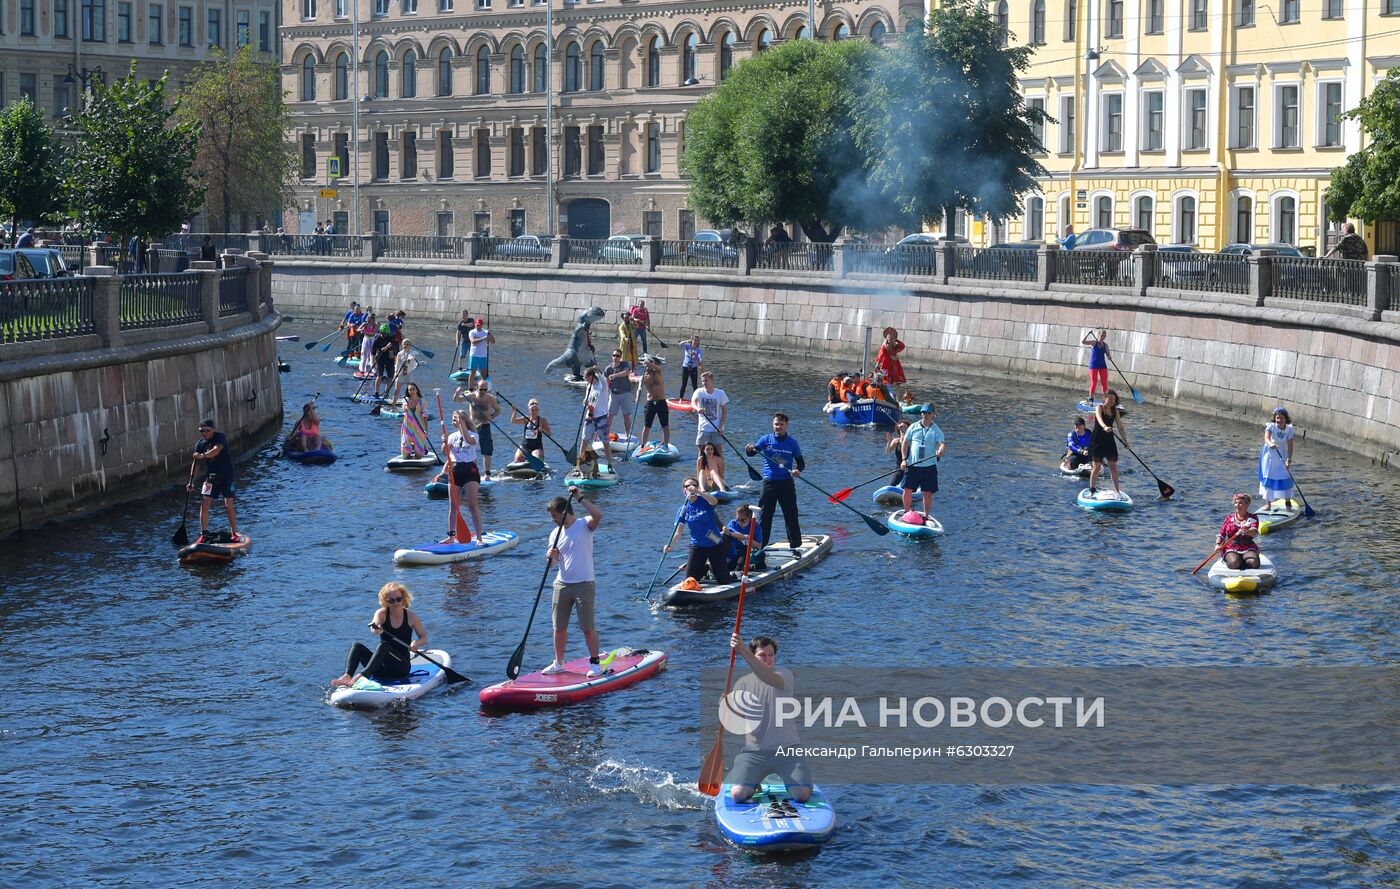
(1251, 249)
(1013, 259)
(1125, 239)
(622, 248)
(1181, 264)
(525, 246)
(15, 266)
(1316, 277)
(47, 262)
(712, 246)
(913, 254)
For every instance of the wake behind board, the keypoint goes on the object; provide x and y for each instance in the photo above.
(423, 677)
(781, 560)
(533, 691)
(489, 544)
(771, 821)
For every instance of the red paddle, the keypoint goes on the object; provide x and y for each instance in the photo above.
(458, 525)
(712, 772)
(846, 492)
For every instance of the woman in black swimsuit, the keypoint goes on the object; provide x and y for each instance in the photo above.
(536, 427)
(390, 661)
(1102, 445)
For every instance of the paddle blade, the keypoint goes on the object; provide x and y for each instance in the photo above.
(754, 473)
(342, 359)
(571, 454)
(1137, 396)
(310, 346)
(840, 495)
(1166, 489)
(535, 462)
(1308, 510)
(513, 665)
(459, 527)
(181, 536)
(326, 347)
(375, 411)
(712, 771)
(878, 527)
(427, 352)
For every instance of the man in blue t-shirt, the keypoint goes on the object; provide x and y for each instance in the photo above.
(782, 462)
(923, 445)
(212, 451)
(707, 544)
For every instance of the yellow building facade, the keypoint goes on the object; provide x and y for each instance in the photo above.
(1207, 122)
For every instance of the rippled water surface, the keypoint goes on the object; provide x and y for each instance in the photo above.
(169, 726)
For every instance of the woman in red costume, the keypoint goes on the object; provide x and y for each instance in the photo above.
(887, 359)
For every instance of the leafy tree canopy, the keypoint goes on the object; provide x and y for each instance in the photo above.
(1367, 186)
(29, 163)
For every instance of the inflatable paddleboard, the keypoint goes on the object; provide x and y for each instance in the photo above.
(889, 495)
(460, 376)
(443, 553)
(931, 526)
(728, 496)
(657, 454)
(400, 463)
(680, 404)
(395, 411)
(772, 821)
(533, 691)
(915, 408)
(422, 678)
(318, 457)
(1082, 472)
(781, 560)
(522, 471)
(348, 362)
(576, 382)
(607, 478)
(1279, 514)
(621, 444)
(363, 375)
(214, 549)
(1243, 580)
(1088, 406)
(1106, 500)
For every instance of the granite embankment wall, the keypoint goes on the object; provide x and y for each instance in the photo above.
(101, 423)
(1217, 353)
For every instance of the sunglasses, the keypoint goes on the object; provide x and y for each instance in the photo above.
(394, 600)
(689, 487)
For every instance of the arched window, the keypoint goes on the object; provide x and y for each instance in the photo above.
(517, 69)
(308, 79)
(877, 32)
(726, 54)
(596, 71)
(1035, 219)
(444, 78)
(381, 76)
(1071, 19)
(1038, 22)
(688, 52)
(573, 68)
(841, 32)
(762, 40)
(1142, 213)
(342, 77)
(654, 62)
(801, 33)
(541, 68)
(1286, 220)
(1003, 22)
(1062, 213)
(1185, 220)
(483, 70)
(408, 87)
(1103, 212)
(1244, 219)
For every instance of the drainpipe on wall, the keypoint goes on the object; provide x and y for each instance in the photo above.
(1081, 98)
(1222, 142)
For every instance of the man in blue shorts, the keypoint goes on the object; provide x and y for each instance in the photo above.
(923, 445)
(212, 451)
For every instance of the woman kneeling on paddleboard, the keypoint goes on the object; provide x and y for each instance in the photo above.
(535, 426)
(390, 660)
(707, 544)
(1237, 535)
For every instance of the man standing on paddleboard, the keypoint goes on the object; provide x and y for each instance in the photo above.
(656, 408)
(923, 445)
(711, 410)
(782, 463)
(571, 549)
(761, 755)
(212, 451)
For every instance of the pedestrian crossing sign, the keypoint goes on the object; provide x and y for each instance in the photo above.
(333, 167)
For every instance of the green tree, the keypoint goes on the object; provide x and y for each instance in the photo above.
(1367, 186)
(944, 122)
(28, 164)
(773, 141)
(129, 169)
(243, 159)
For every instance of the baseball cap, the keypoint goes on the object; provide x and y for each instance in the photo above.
(925, 408)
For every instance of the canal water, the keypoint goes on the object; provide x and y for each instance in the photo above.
(169, 726)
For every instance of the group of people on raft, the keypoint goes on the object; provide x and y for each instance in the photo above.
(849, 387)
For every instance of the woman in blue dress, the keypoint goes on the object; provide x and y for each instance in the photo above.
(1276, 458)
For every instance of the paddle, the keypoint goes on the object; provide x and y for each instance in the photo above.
(1166, 489)
(572, 457)
(535, 462)
(310, 346)
(712, 770)
(877, 527)
(661, 561)
(846, 492)
(457, 526)
(647, 327)
(452, 675)
(294, 338)
(632, 424)
(431, 354)
(513, 666)
(181, 536)
(572, 453)
(1137, 396)
(1219, 547)
(1307, 509)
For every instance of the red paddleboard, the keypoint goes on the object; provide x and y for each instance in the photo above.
(533, 691)
(680, 404)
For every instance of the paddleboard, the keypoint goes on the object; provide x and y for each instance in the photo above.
(1087, 406)
(533, 691)
(348, 362)
(489, 544)
(422, 678)
(680, 404)
(607, 478)
(621, 444)
(1279, 514)
(772, 821)
(1082, 472)
(522, 471)
(396, 412)
(889, 495)
(916, 408)
(294, 338)
(576, 382)
(460, 376)
(657, 454)
(1106, 500)
(781, 560)
(1243, 580)
(726, 496)
(318, 457)
(363, 375)
(437, 490)
(931, 526)
(400, 463)
(213, 549)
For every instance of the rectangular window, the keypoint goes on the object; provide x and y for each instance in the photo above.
(342, 9)
(1245, 18)
(1038, 126)
(653, 148)
(517, 223)
(381, 222)
(308, 10)
(61, 100)
(265, 31)
(26, 18)
(243, 28)
(1067, 124)
(1112, 122)
(155, 34)
(444, 223)
(1114, 26)
(516, 165)
(596, 151)
(60, 18)
(1196, 120)
(539, 151)
(651, 223)
(1291, 13)
(1330, 103)
(216, 26)
(446, 163)
(1142, 213)
(410, 7)
(444, 5)
(1155, 16)
(1200, 15)
(308, 156)
(95, 20)
(1244, 118)
(1332, 9)
(29, 87)
(483, 154)
(1152, 121)
(186, 26)
(408, 156)
(486, 4)
(1286, 105)
(342, 151)
(481, 222)
(123, 22)
(381, 7)
(381, 155)
(573, 151)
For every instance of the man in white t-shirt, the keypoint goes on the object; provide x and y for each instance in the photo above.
(599, 396)
(478, 341)
(571, 549)
(711, 410)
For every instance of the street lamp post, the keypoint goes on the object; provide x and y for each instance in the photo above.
(86, 76)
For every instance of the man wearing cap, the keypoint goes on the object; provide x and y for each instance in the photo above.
(212, 451)
(923, 445)
(477, 343)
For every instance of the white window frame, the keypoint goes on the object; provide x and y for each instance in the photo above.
(1064, 213)
(1068, 124)
(1105, 101)
(1177, 198)
(1275, 199)
(1186, 118)
(1094, 198)
(1237, 236)
(1235, 141)
(1320, 128)
(1133, 200)
(1279, 114)
(1146, 116)
(1038, 128)
(1029, 231)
